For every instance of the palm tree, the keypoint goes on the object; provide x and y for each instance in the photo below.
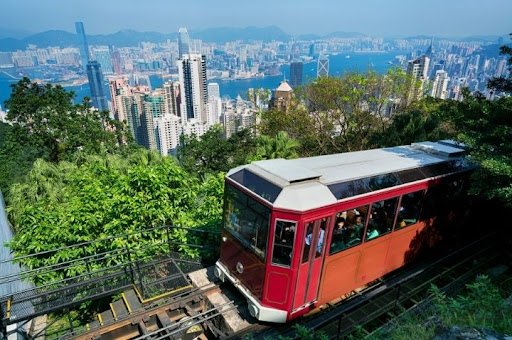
(280, 146)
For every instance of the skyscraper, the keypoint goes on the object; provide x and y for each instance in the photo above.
(84, 47)
(119, 87)
(172, 98)
(194, 91)
(102, 55)
(296, 68)
(95, 77)
(440, 85)
(183, 42)
(417, 70)
(322, 69)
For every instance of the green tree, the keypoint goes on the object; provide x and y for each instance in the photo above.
(332, 115)
(44, 117)
(280, 146)
(213, 153)
(485, 126)
(503, 84)
(423, 120)
(67, 203)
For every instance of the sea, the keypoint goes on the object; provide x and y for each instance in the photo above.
(339, 64)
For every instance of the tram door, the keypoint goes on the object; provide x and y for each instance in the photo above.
(310, 267)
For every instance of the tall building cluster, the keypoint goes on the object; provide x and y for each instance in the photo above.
(189, 106)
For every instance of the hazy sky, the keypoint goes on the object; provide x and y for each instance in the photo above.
(376, 17)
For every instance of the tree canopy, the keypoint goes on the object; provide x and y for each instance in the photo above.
(66, 203)
(44, 117)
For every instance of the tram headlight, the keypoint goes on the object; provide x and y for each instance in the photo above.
(219, 274)
(253, 310)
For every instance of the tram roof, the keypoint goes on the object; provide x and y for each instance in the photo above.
(332, 171)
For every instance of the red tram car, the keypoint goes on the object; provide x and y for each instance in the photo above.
(299, 233)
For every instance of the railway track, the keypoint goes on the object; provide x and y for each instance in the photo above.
(373, 307)
(182, 315)
(201, 308)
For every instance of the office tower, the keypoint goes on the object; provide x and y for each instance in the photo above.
(296, 68)
(440, 85)
(213, 90)
(172, 98)
(183, 42)
(322, 69)
(84, 47)
(194, 91)
(102, 56)
(281, 97)
(95, 77)
(417, 70)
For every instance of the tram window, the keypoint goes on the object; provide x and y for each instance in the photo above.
(309, 240)
(247, 220)
(382, 216)
(310, 227)
(348, 229)
(410, 207)
(383, 181)
(283, 243)
(255, 183)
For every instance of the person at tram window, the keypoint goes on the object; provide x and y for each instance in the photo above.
(339, 235)
(358, 225)
(321, 234)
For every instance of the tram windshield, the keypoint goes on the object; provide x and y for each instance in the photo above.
(246, 219)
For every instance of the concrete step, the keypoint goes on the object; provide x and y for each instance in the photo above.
(131, 301)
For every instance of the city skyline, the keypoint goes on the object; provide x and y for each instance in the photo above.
(373, 17)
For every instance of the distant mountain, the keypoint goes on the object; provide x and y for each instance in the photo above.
(225, 34)
(345, 35)
(133, 38)
(488, 38)
(11, 33)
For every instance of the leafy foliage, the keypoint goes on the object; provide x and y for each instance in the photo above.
(44, 117)
(212, 153)
(280, 146)
(503, 84)
(333, 115)
(62, 204)
(485, 126)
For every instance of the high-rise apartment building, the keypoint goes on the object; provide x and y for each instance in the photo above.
(322, 69)
(417, 70)
(440, 85)
(119, 87)
(183, 42)
(95, 76)
(172, 98)
(169, 131)
(193, 87)
(84, 47)
(296, 69)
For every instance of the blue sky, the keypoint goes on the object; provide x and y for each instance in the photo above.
(375, 17)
